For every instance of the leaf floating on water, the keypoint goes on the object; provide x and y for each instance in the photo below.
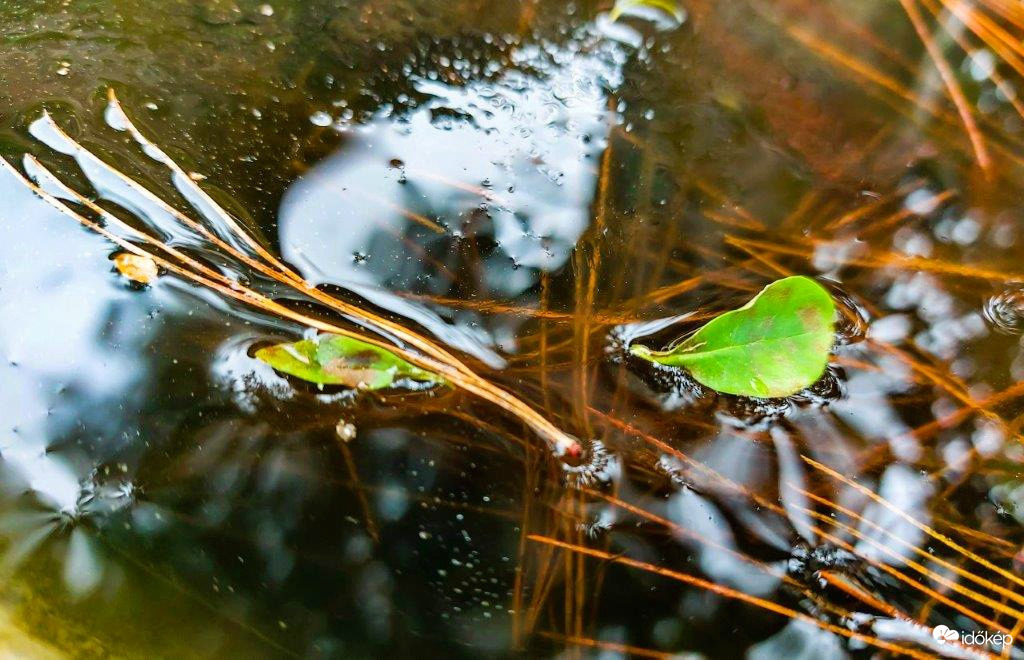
(340, 360)
(137, 268)
(670, 7)
(775, 345)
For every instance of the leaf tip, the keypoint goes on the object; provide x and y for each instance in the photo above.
(640, 351)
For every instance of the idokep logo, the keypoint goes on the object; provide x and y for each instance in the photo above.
(943, 634)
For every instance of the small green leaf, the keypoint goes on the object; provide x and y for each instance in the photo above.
(775, 345)
(670, 7)
(340, 360)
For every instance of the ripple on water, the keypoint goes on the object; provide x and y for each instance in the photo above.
(1005, 311)
(671, 387)
(852, 319)
(828, 389)
(750, 412)
(247, 379)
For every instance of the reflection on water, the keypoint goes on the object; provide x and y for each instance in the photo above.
(512, 155)
(535, 186)
(474, 193)
(52, 383)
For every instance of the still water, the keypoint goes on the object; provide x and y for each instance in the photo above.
(531, 185)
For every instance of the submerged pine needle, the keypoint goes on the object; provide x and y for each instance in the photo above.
(730, 593)
(927, 529)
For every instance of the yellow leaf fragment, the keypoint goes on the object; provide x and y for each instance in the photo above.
(136, 268)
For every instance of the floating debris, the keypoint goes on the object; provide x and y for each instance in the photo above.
(137, 268)
(346, 430)
(339, 360)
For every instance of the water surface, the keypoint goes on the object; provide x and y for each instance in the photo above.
(533, 186)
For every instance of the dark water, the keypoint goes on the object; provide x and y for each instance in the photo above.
(532, 186)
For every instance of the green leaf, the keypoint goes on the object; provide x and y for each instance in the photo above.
(670, 7)
(340, 360)
(775, 345)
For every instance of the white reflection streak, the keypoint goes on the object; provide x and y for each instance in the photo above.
(908, 492)
(791, 474)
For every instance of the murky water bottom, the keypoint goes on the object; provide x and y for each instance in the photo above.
(533, 186)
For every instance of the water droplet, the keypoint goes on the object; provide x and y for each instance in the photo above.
(320, 118)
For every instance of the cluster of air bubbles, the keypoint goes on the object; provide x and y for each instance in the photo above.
(806, 562)
(672, 468)
(676, 387)
(1005, 311)
(829, 257)
(617, 346)
(891, 329)
(597, 467)
(599, 525)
